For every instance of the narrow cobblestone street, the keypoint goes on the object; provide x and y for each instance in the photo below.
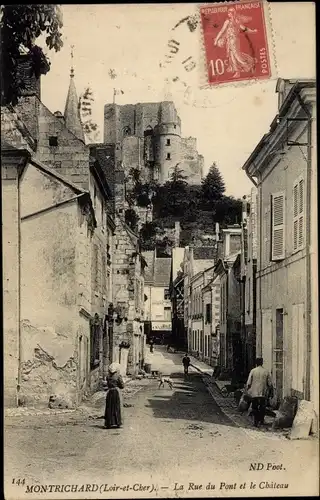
(167, 438)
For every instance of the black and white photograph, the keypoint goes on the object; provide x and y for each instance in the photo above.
(160, 250)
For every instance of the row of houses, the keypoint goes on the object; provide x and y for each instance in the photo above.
(73, 272)
(257, 295)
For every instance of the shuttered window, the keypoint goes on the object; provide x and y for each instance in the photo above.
(298, 214)
(278, 226)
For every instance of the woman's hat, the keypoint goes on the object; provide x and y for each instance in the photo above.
(114, 367)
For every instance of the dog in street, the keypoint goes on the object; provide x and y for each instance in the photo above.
(165, 379)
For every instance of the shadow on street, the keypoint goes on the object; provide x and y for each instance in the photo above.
(188, 401)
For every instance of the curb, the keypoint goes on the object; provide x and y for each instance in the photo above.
(17, 412)
(226, 412)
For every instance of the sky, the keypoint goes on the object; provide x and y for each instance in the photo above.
(228, 121)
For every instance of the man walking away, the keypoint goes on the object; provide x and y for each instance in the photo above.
(259, 385)
(151, 343)
(186, 363)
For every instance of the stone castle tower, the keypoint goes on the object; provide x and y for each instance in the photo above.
(148, 138)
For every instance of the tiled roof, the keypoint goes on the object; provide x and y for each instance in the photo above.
(203, 253)
(148, 256)
(162, 271)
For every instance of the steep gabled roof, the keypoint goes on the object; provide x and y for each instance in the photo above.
(72, 113)
(162, 270)
(149, 258)
(59, 177)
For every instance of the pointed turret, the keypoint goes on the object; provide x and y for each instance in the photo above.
(72, 112)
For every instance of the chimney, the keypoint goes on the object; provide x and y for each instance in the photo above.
(30, 82)
(244, 209)
(59, 115)
(177, 234)
(217, 231)
(29, 104)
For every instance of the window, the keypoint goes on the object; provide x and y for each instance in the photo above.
(94, 345)
(166, 294)
(137, 293)
(298, 214)
(109, 284)
(277, 221)
(167, 313)
(266, 233)
(94, 197)
(95, 266)
(168, 142)
(53, 140)
(208, 313)
(298, 347)
(168, 156)
(104, 274)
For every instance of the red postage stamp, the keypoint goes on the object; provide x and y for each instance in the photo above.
(235, 42)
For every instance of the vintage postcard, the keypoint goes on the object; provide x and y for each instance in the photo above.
(160, 250)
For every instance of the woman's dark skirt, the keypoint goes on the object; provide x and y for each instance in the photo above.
(113, 413)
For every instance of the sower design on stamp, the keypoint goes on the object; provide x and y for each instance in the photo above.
(235, 42)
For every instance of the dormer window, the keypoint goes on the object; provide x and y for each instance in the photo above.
(53, 141)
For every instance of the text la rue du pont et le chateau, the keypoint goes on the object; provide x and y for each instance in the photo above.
(150, 488)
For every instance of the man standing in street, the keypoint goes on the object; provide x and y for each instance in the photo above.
(186, 363)
(151, 344)
(259, 386)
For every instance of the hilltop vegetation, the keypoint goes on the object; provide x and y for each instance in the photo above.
(196, 207)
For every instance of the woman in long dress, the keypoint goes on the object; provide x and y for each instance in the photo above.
(113, 412)
(229, 35)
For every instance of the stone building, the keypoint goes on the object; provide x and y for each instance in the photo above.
(227, 274)
(149, 138)
(157, 297)
(283, 166)
(62, 150)
(248, 279)
(179, 337)
(196, 260)
(230, 314)
(128, 289)
(48, 224)
(211, 320)
(199, 335)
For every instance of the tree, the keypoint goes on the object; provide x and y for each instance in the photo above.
(228, 210)
(148, 234)
(213, 187)
(20, 26)
(177, 176)
(173, 196)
